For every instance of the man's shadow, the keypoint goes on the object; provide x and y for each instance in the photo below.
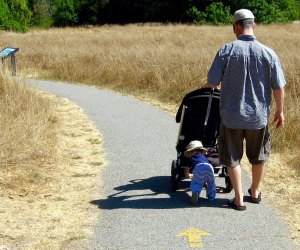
(152, 193)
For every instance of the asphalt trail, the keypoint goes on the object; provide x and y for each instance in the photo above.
(137, 209)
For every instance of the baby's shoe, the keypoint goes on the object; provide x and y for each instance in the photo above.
(210, 198)
(194, 198)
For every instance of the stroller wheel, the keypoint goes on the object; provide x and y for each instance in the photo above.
(228, 184)
(174, 176)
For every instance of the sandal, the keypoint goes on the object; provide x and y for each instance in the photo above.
(255, 200)
(236, 207)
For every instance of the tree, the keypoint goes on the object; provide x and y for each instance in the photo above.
(18, 15)
(90, 11)
(4, 15)
(271, 11)
(298, 8)
(63, 13)
(215, 13)
(41, 13)
(162, 11)
(195, 15)
(218, 13)
(263, 11)
(14, 15)
(289, 11)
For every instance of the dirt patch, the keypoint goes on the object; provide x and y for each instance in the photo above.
(57, 215)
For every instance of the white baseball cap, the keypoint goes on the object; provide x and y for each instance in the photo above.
(242, 14)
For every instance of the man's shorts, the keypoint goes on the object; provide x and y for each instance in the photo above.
(230, 145)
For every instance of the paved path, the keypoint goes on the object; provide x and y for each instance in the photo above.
(138, 211)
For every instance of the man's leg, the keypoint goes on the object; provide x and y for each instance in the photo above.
(257, 173)
(235, 175)
(230, 153)
(257, 150)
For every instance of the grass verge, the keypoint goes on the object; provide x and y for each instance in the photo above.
(45, 200)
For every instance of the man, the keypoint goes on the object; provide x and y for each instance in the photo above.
(249, 72)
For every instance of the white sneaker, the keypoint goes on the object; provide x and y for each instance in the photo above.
(194, 198)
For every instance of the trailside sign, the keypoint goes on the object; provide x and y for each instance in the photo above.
(9, 52)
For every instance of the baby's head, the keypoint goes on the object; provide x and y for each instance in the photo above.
(193, 148)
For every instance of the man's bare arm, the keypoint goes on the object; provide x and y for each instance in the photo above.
(279, 101)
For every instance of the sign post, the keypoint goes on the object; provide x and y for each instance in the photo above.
(10, 52)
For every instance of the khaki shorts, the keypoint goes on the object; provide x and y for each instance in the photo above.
(230, 145)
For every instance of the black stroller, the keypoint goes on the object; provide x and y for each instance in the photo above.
(199, 119)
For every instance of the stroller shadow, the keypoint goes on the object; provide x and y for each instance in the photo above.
(151, 193)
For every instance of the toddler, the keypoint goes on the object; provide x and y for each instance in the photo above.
(203, 172)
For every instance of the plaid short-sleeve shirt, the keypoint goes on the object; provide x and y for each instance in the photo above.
(248, 71)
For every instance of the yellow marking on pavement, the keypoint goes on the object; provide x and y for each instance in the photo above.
(194, 236)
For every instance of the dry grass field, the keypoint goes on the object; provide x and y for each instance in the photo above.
(160, 63)
(46, 182)
(157, 62)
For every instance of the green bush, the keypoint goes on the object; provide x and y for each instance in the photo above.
(196, 16)
(64, 13)
(4, 13)
(289, 10)
(276, 11)
(14, 15)
(217, 13)
(41, 14)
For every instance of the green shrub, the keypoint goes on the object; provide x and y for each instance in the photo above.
(41, 14)
(217, 13)
(289, 10)
(4, 13)
(14, 15)
(64, 13)
(276, 11)
(196, 16)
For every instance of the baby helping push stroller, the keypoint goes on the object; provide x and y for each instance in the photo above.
(199, 119)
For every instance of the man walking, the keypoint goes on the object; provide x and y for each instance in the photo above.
(249, 72)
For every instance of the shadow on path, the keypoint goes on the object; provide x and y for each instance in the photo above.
(152, 193)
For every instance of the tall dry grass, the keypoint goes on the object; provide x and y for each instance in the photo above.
(161, 62)
(43, 173)
(27, 137)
